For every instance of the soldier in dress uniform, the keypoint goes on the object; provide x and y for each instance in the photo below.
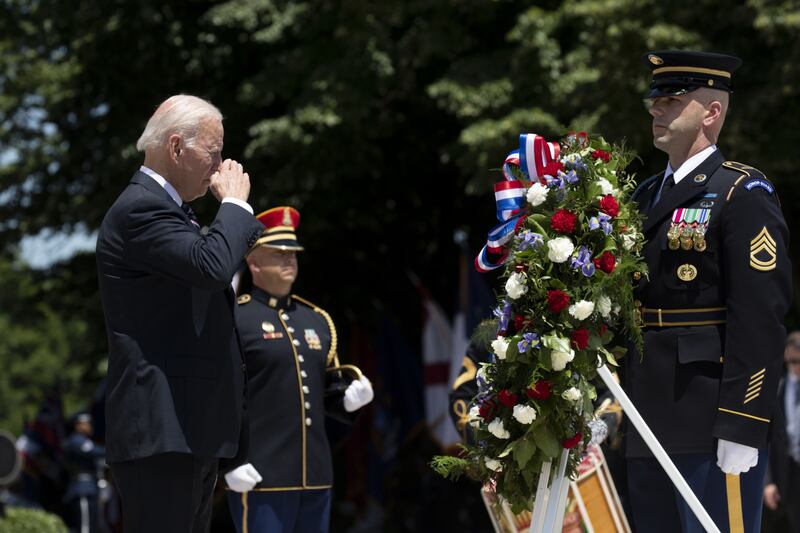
(295, 379)
(83, 459)
(712, 307)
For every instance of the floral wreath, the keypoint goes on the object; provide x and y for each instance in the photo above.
(570, 240)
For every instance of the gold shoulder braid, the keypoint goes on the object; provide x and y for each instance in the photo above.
(333, 356)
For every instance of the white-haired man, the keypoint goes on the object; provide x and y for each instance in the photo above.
(176, 377)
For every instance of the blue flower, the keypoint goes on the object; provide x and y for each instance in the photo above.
(571, 176)
(583, 262)
(528, 240)
(554, 182)
(528, 340)
(503, 313)
(601, 221)
(574, 162)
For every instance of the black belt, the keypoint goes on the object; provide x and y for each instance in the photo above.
(704, 316)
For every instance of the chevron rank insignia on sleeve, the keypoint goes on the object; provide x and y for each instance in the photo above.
(763, 252)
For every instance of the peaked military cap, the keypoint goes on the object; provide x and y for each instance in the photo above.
(679, 71)
(280, 224)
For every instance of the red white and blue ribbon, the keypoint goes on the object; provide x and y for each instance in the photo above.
(533, 156)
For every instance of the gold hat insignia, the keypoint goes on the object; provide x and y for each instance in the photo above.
(287, 217)
(654, 59)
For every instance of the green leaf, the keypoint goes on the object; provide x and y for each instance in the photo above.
(547, 442)
(609, 356)
(523, 451)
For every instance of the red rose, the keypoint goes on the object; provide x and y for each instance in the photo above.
(572, 441)
(603, 328)
(557, 300)
(519, 322)
(541, 390)
(580, 338)
(563, 221)
(552, 168)
(601, 154)
(606, 262)
(507, 398)
(487, 409)
(609, 206)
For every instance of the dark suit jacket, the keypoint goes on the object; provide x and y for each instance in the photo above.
(707, 379)
(779, 458)
(176, 380)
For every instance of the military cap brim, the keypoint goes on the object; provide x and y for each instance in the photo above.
(676, 72)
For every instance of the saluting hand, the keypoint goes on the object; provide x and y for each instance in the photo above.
(230, 181)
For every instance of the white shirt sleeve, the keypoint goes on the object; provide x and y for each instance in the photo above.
(241, 203)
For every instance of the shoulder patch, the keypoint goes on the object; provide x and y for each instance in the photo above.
(243, 299)
(759, 183)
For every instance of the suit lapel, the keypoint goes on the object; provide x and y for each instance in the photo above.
(140, 178)
(688, 188)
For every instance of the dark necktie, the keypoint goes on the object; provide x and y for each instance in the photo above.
(669, 183)
(190, 213)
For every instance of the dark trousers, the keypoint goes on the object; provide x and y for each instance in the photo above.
(168, 492)
(658, 507)
(289, 511)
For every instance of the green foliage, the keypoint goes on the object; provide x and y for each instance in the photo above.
(380, 121)
(23, 520)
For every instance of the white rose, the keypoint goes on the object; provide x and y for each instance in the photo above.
(537, 194)
(616, 309)
(515, 285)
(524, 414)
(559, 249)
(581, 310)
(560, 359)
(475, 416)
(496, 428)
(499, 347)
(493, 464)
(628, 240)
(571, 394)
(606, 187)
(481, 374)
(604, 306)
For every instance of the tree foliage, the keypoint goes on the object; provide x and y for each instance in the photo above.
(381, 121)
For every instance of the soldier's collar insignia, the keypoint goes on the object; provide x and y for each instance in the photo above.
(700, 178)
(243, 299)
(273, 302)
(763, 252)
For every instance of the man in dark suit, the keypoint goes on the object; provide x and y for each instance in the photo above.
(783, 477)
(176, 375)
(712, 308)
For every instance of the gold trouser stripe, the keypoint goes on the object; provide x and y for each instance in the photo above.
(244, 512)
(734, 491)
(743, 414)
(699, 70)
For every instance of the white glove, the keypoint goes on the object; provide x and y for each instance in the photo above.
(734, 458)
(243, 478)
(358, 394)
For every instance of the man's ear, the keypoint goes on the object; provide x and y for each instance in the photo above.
(713, 113)
(175, 146)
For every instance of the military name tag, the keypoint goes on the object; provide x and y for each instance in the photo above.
(312, 339)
